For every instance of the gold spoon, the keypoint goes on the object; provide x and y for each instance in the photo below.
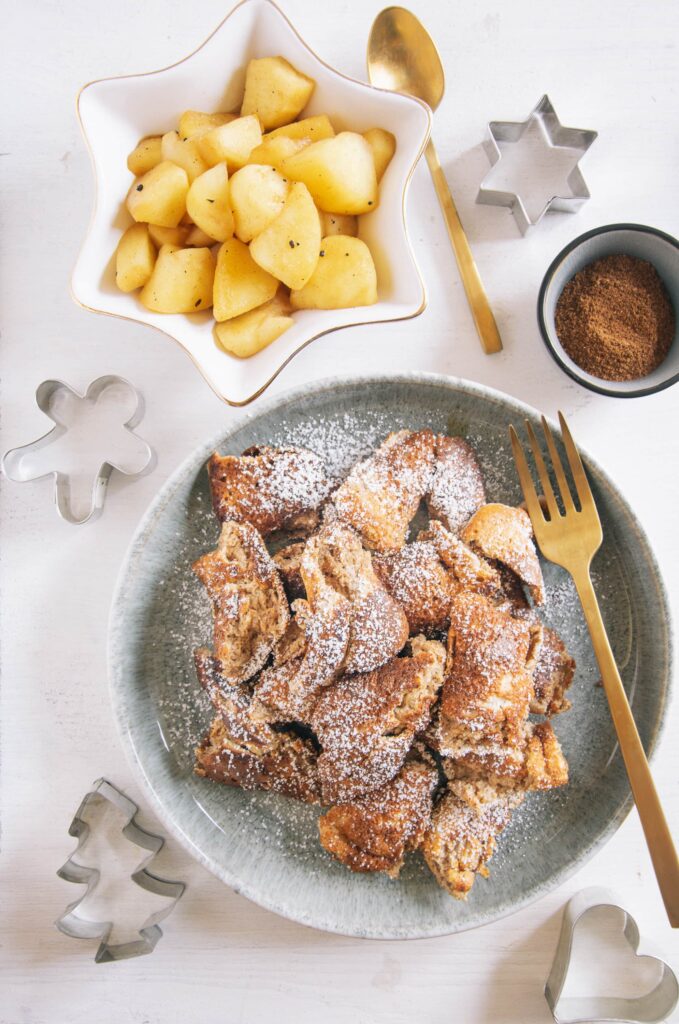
(402, 57)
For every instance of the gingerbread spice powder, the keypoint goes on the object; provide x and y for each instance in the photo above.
(615, 319)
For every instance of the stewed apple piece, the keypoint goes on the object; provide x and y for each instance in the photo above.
(181, 281)
(208, 203)
(339, 173)
(159, 196)
(258, 194)
(288, 248)
(230, 143)
(240, 284)
(345, 276)
(251, 332)
(383, 146)
(135, 258)
(275, 91)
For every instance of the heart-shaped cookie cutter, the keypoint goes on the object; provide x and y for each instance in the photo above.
(12, 460)
(73, 921)
(651, 1008)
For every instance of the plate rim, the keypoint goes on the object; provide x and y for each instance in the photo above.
(124, 728)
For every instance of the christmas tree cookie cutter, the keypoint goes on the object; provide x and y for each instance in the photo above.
(88, 424)
(650, 1008)
(544, 123)
(75, 921)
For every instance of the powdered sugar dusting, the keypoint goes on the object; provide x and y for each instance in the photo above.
(180, 620)
(457, 488)
(267, 487)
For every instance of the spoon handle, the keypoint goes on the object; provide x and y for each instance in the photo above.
(476, 295)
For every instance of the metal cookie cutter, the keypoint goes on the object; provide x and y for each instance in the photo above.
(543, 120)
(74, 921)
(54, 398)
(651, 1008)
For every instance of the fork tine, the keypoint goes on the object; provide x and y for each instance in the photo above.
(542, 472)
(577, 469)
(564, 488)
(526, 480)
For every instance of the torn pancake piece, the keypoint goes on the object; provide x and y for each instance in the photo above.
(461, 838)
(416, 577)
(366, 723)
(504, 534)
(468, 569)
(288, 561)
(292, 644)
(335, 559)
(488, 687)
(250, 610)
(381, 495)
(292, 686)
(280, 761)
(456, 490)
(535, 762)
(270, 488)
(552, 676)
(246, 746)
(375, 832)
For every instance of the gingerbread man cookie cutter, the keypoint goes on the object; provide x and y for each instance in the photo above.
(75, 921)
(60, 402)
(649, 1008)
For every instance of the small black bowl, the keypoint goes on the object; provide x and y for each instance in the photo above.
(635, 240)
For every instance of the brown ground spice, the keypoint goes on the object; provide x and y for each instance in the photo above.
(615, 319)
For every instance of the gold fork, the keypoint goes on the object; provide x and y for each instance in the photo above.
(571, 540)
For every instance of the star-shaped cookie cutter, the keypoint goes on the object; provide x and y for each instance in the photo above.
(73, 921)
(555, 135)
(649, 1008)
(141, 461)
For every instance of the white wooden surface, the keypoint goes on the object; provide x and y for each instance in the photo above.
(610, 65)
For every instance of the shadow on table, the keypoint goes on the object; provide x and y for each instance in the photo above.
(524, 971)
(482, 223)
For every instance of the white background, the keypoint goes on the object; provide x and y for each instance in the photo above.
(611, 65)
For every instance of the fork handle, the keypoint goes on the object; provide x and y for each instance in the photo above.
(653, 821)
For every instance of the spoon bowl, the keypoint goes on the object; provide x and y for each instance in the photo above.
(402, 57)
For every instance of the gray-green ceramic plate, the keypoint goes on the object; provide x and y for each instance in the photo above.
(265, 846)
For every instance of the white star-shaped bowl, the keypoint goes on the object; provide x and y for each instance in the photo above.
(116, 112)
